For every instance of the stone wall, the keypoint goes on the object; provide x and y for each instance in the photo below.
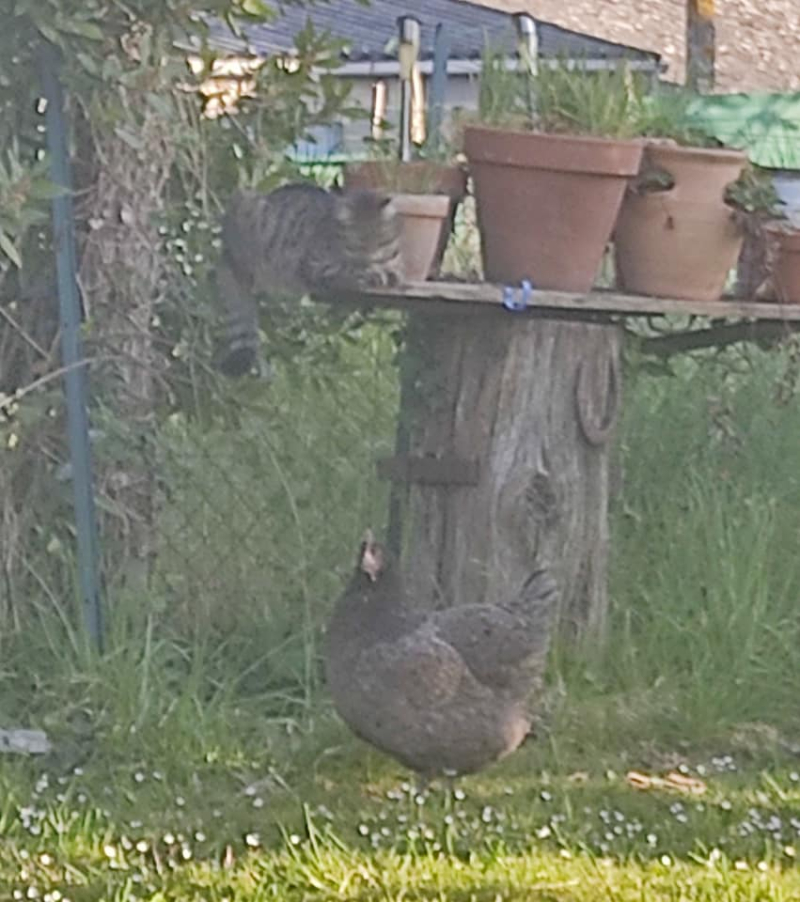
(758, 41)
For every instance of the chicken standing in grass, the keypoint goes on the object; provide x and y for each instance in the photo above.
(445, 692)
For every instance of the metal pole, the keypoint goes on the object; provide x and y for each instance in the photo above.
(409, 33)
(527, 41)
(409, 29)
(441, 52)
(72, 354)
(528, 50)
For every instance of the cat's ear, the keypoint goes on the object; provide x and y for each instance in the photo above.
(386, 206)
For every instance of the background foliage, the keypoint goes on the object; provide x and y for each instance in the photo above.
(151, 176)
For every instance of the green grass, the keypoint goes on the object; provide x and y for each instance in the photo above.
(199, 760)
(336, 821)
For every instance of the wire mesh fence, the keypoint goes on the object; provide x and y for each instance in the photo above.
(223, 505)
(224, 525)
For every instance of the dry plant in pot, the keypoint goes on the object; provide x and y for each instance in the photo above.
(426, 194)
(550, 157)
(679, 232)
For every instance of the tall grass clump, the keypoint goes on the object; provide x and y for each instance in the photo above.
(261, 507)
(706, 576)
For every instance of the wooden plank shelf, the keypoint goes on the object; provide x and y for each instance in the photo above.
(484, 297)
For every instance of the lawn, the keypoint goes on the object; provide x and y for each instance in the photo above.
(200, 760)
(335, 821)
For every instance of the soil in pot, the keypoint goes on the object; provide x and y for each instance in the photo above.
(421, 177)
(547, 204)
(786, 262)
(425, 219)
(682, 241)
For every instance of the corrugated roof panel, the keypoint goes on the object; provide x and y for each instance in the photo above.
(372, 31)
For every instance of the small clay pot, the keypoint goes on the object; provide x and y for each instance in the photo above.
(547, 204)
(425, 219)
(414, 177)
(786, 264)
(681, 242)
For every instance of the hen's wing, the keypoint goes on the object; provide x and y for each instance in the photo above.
(418, 671)
(496, 640)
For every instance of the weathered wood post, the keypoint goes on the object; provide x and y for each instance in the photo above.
(510, 434)
(503, 447)
(700, 45)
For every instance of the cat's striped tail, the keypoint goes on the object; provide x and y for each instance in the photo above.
(238, 352)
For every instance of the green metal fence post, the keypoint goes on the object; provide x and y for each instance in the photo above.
(75, 381)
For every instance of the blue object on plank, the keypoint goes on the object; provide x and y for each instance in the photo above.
(516, 303)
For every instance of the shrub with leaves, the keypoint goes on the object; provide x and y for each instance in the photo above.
(151, 176)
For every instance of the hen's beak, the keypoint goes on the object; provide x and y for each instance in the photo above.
(371, 561)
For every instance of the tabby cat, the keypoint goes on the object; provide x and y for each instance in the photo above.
(295, 240)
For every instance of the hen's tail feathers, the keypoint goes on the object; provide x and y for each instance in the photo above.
(238, 354)
(538, 597)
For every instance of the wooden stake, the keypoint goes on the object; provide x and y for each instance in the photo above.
(700, 45)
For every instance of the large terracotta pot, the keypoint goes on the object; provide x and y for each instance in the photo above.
(425, 220)
(786, 263)
(415, 177)
(546, 204)
(684, 241)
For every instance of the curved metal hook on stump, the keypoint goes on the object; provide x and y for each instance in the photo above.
(598, 426)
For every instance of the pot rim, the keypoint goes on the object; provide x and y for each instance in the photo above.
(355, 165)
(722, 154)
(555, 138)
(452, 176)
(436, 206)
(542, 152)
(787, 236)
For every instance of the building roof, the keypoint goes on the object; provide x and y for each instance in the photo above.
(371, 32)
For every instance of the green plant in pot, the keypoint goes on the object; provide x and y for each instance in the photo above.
(753, 195)
(782, 233)
(426, 192)
(550, 155)
(769, 265)
(680, 229)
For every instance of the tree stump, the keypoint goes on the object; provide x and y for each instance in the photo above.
(509, 432)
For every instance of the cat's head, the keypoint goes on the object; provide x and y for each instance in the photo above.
(371, 230)
(363, 207)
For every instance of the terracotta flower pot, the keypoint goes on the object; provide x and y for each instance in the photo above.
(415, 177)
(546, 204)
(681, 242)
(786, 264)
(425, 219)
